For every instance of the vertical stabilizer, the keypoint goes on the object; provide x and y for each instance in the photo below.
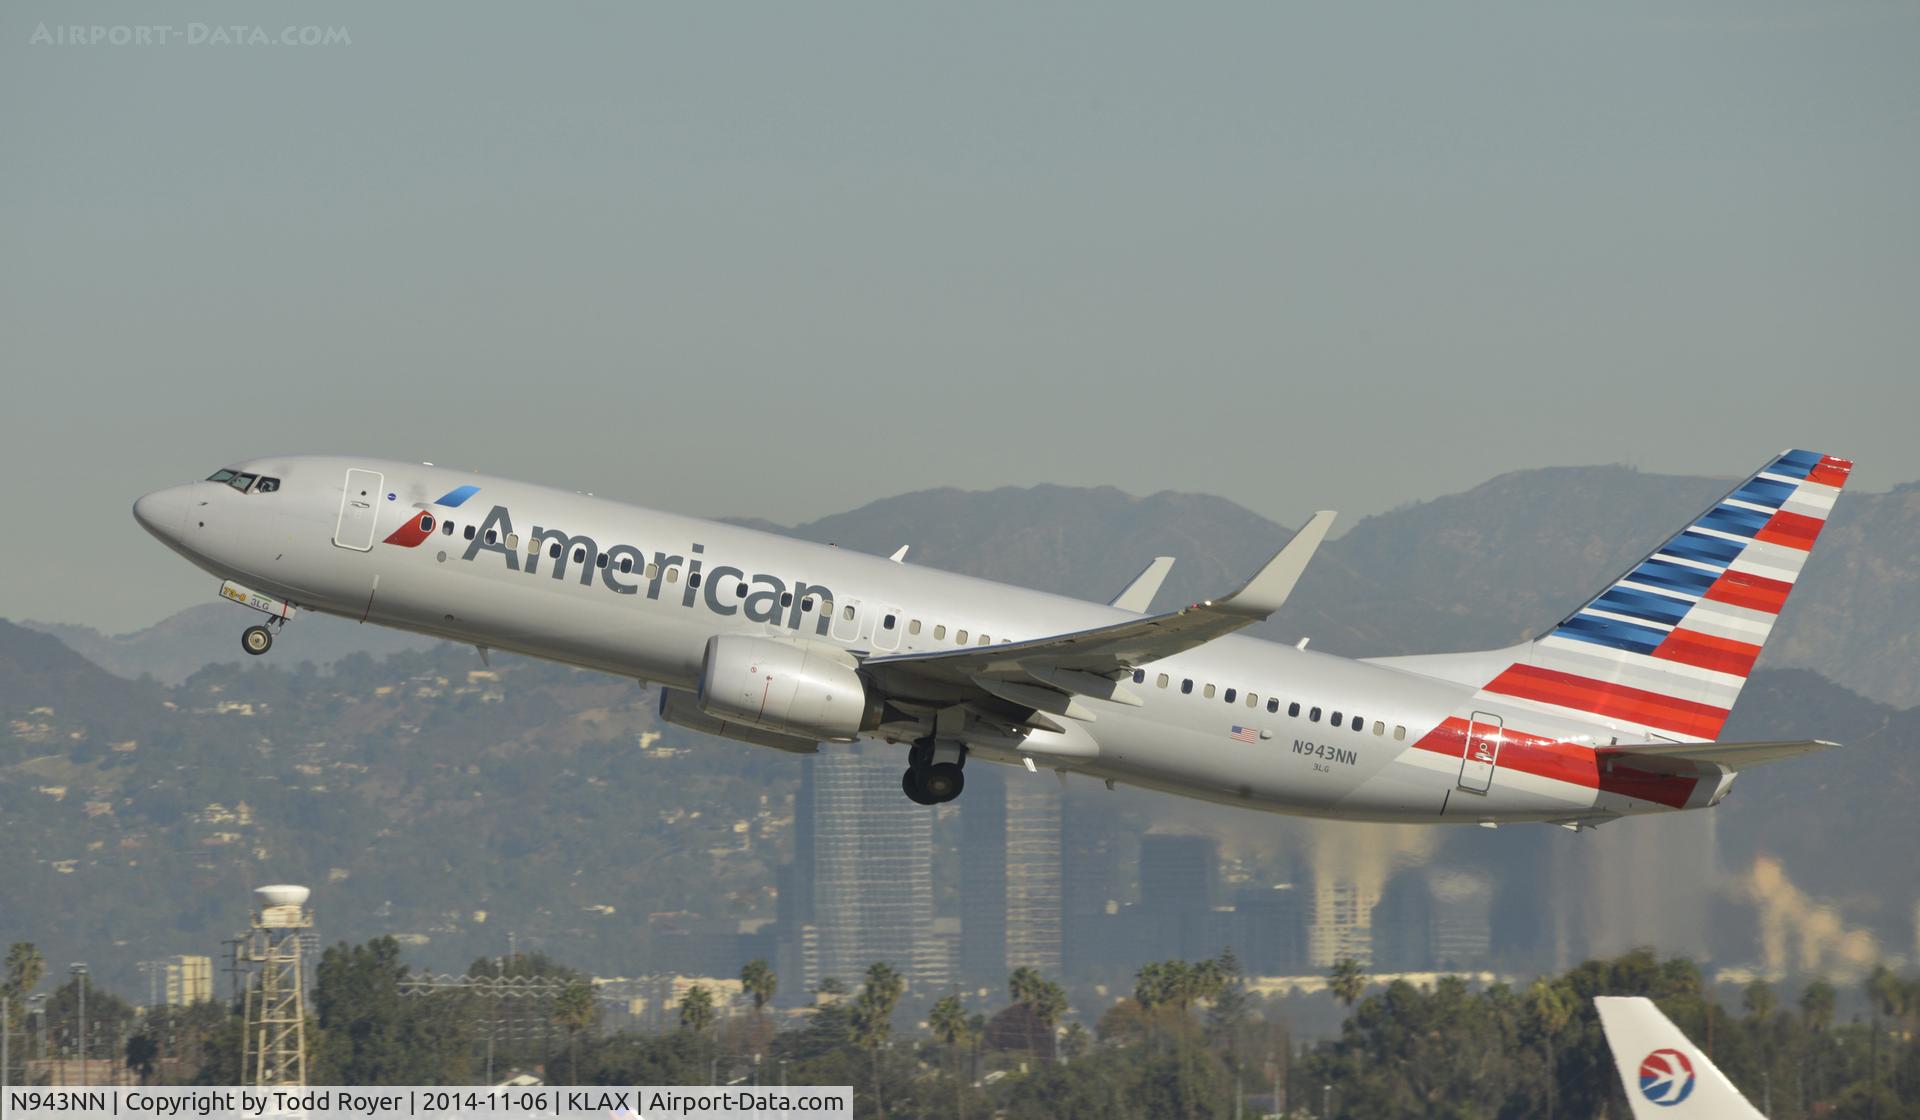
(1666, 1077)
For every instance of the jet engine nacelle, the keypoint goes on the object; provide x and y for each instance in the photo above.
(683, 708)
(801, 689)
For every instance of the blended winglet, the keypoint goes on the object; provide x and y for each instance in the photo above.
(1267, 591)
(1138, 595)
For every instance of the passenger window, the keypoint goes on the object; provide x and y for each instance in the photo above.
(1230, 695)
(1161, 681)
(553, 550)
(1207, 692)
(940, 632)
(626, 565)
(1399, 730)
(1139, 676)
(1335, 720)
(786, 598)
(653, 571)
(847, 612)
(913, 627)
(1273, 704)
(960, 637)
(1186, 687)
(580, 557)
(513, 542)
(600, 561)
(447, 528)
(673, 575)
(826, 606)
(806, 604)
(1313, 715)
(492, 534)
(1379, 727)
(693, 579)
(739, 588)
(266, 485)
(426, 523)
(1358, 723)
(985, 641)
(1252, 700)
(886, 623)
(468, 533)
(220, 476)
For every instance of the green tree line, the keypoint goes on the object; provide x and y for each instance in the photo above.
(1188, 1041)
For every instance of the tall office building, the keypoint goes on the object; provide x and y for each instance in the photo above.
(1010, 880)
(1175, 916)
(1268, 930)
(862, 878)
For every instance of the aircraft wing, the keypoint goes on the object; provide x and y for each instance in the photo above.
(1089, 661)
(1707, 758)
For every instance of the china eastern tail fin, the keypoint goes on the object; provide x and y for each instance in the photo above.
(1666, 647)
(1664, 1074)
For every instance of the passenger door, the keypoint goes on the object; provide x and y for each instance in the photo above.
(359, 509)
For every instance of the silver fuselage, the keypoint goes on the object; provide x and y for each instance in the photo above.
(484, 593)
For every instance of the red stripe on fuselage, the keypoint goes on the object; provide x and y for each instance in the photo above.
(1616, 701)
(1724, 655)
(1795, 530)
(1563, 762)
(1744, 589)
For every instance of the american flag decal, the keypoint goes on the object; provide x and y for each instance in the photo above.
(1245, 734)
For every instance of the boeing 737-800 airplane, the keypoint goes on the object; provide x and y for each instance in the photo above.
(787, 644)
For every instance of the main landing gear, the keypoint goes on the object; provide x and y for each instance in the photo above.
(934, 775)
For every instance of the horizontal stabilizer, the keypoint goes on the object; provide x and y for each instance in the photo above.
(1707, 758)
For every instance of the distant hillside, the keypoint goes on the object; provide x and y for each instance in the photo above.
(182, 644)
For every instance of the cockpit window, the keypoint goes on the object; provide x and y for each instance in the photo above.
(220, 476)
(266, 485)
(240, 482)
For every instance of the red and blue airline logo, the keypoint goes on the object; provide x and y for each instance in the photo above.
(414, 532)
(1666, 1077)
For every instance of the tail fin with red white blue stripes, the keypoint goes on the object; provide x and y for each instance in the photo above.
(1667, 646)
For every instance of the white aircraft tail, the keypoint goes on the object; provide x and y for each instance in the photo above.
(1666, 1076)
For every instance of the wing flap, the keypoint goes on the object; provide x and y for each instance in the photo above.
(1708, 758)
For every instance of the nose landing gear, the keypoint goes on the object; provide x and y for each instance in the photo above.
(257, 640)
(934, 775)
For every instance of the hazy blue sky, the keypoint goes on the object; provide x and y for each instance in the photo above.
(780, 260)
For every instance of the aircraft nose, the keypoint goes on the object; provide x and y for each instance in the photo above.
(163, 512)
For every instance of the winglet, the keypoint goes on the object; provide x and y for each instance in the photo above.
(1268, 589)
(900, 554)
(1138, 595)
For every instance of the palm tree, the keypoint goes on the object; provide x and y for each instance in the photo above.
(873, 1018)
(759, 982)
(1817, 1002)
(696, 1009)
(1550, 1006)
(25, 967)
(1347, 981)
(1759, 1000)
(948, 1020)
(574, 1010)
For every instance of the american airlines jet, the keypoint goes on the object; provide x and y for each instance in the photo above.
(787, 644)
